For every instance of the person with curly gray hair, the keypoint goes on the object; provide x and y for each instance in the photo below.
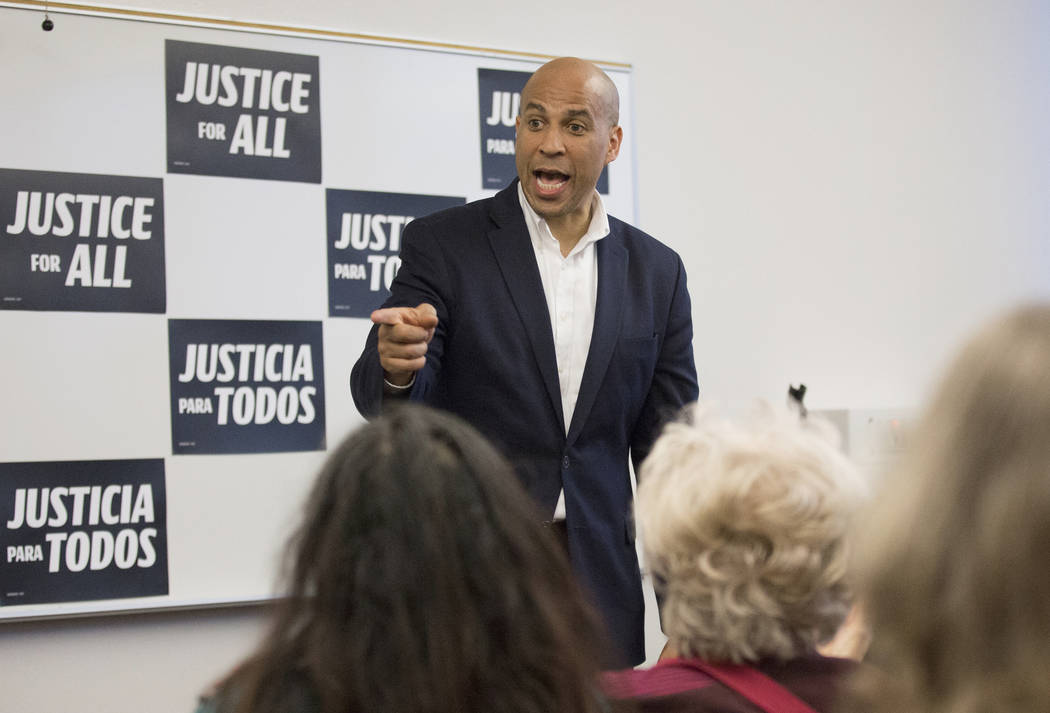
(745, 528)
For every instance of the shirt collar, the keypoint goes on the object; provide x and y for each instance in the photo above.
(597, 230)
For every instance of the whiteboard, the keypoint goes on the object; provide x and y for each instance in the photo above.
(90, 98)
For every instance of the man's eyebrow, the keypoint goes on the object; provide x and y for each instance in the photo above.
(569, 113)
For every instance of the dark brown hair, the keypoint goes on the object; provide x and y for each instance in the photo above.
(422, 581)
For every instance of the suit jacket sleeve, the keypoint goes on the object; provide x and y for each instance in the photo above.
(674, 379)
(422, 277)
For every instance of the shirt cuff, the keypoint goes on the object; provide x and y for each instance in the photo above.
(393, 389)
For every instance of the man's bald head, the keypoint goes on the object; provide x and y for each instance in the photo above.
(566, 133)
(575, 72)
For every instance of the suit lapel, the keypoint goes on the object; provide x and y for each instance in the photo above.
(608, 311)
(517, 262)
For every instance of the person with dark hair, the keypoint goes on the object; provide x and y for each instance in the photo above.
(421, 581)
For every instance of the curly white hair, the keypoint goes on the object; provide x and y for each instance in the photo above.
(744, 525)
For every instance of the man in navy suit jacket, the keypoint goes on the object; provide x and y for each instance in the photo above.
(490, 317)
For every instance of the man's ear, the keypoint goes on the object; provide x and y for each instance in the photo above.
(615, 139)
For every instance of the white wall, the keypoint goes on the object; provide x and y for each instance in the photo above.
(147, 663)
(852, 186)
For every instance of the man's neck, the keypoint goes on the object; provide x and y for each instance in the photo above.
(568, 229)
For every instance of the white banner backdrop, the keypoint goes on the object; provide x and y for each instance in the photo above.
(243, 134)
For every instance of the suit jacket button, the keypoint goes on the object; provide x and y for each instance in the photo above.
(565, 462)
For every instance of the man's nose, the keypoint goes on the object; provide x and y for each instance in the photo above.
(551, 143)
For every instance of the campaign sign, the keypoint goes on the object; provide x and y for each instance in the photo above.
(82, 530)
(240, 386)
(242, 112)
(499, 94)
(81, 242)
(364, 239)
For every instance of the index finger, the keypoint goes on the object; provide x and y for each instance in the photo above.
(390, 315)
(424, 316)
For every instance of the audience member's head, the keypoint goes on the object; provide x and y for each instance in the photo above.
(954, 555)
(422, 581)
(746, 525)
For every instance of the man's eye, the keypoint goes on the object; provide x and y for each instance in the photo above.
(535, 123)
(577, 128)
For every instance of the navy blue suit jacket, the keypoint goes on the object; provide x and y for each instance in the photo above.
(492, 362)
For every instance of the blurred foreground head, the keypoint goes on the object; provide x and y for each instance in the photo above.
(954, 558)
(745, 522)
(421, 580)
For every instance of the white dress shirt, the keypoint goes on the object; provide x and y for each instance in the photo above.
(570, 284)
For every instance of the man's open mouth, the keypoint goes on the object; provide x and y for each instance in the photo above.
(550, 181)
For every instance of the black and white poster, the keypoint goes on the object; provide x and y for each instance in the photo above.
(246, 386)
(364, 239)
(242, 112)
(82, 530)
(193, 230)
(81, 242)
(499, 94)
